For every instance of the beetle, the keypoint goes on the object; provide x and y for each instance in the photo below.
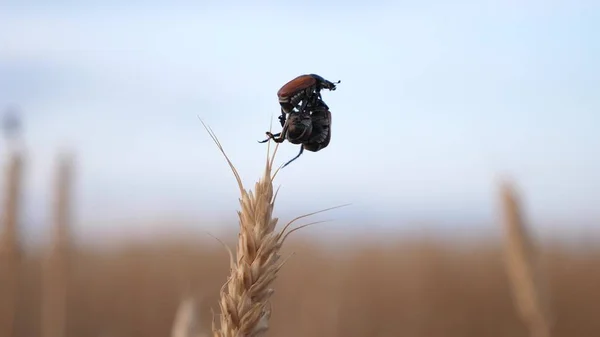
(310, 128)
(301, 89)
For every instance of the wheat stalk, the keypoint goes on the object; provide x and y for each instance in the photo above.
(244, 298)
(523, 268)
(10, 245)
(55, 276)
(186, 321)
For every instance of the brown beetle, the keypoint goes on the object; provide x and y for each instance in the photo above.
(310, 128)
(304, 88)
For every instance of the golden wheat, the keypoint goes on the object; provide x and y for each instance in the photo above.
(244, 301)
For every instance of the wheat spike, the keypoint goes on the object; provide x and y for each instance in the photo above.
(244, 298)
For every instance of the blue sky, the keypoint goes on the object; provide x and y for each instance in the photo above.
(436, 101)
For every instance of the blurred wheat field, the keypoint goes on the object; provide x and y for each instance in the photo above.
(413, 287)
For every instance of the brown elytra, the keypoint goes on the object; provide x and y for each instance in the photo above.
(299, 83)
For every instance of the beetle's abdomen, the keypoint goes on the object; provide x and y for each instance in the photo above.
(297, 84)
(298, 134)
(299, 128)
(321, 130)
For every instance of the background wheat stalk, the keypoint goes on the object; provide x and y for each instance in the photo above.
(244, 298)
(10, 246)
(56, 270)
(522, 264)
(186, 320)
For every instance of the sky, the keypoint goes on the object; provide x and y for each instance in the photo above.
(437, 100)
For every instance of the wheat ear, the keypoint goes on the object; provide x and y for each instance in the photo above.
(244, 298)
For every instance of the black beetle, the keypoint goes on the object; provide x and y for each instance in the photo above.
(310, 128)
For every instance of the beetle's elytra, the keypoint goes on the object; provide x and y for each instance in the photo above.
(299, 83)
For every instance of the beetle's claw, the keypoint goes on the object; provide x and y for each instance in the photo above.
(270, 135)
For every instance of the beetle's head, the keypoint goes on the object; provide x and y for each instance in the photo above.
(330, 85)
(323, 83)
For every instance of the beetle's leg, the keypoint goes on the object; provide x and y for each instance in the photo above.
(282, 118)
(303, 106)
(273, 136)
(270, 136)
(277, 138)
(296, 157)
(281, 135)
